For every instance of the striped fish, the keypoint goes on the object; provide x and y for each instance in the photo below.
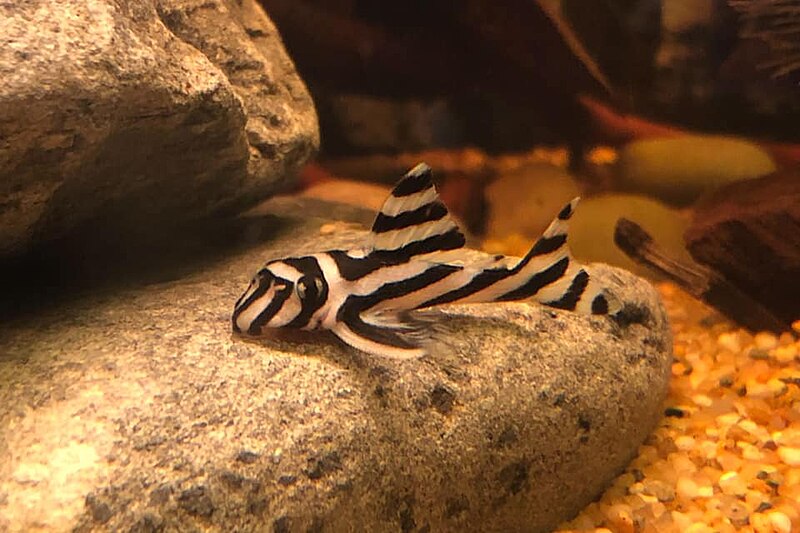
(414, 259)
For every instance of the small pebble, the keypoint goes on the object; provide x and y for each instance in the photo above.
(790, 456)
(728, 420)
(758, 354)
(663, 491)
(685, 443)
(674, 412)
(750, 452)
(726, 381)
(705, 491)
(619, 517)
(729, 461)
(788, 437)
(777, 387)
(760, 523)
(730, 483)
(729, 341)
(703, 401)
(763, 506)
(766, 341)
(754, 429)
(682, 521)
(699, 527)
(780, 522)
(735, 511)
(726, 455)
(276, 455)
(785, 354)
(636, 488)
(759, 390)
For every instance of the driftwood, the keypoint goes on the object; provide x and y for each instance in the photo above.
(750, 233)
(699, 281)
(745, 238)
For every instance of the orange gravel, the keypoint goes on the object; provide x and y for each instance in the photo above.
(726, 455)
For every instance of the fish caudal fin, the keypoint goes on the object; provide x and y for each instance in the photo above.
(413, 220)
(554, 278)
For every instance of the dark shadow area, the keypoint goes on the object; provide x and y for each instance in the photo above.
(447, 344)
(99, 257)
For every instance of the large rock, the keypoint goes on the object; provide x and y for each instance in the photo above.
(137, 410)
(126, 113)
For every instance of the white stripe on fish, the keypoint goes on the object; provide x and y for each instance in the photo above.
(413, 260)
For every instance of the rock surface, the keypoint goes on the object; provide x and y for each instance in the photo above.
(124, 113)
(137, 410)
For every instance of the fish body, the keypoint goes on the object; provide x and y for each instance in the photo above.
(414, 259)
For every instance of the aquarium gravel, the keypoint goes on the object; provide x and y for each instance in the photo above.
(726, 454)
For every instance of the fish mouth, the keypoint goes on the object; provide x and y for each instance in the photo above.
(251, 332)
(238, 330)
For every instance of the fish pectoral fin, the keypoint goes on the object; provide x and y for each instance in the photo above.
(413, 220)
(383, 334)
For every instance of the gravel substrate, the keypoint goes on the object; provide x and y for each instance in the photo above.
(726, 456)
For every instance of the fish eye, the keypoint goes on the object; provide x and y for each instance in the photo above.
(263, 278)
(301, 288)
(309, 287)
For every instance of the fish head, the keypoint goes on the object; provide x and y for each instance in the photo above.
(282, 294)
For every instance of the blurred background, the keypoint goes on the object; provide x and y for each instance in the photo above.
(646, 108)
(678, 115)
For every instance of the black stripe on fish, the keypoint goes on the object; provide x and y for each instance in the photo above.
(354, 268)
(424, 213)
(566, 212)
(449, 240)
(350, 313)
(599, 305)
(386, 335)
(570, 298)
(414, 206)
(545, 245)
(281, 295)
(417, 180)
(483, 280)
(312, 289)
(537, 282)
(264, 279)
(397, 289)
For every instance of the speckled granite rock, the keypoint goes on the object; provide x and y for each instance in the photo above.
(137, 410)
(126, 112)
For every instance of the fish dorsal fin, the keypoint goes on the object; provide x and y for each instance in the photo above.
(413, 220)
